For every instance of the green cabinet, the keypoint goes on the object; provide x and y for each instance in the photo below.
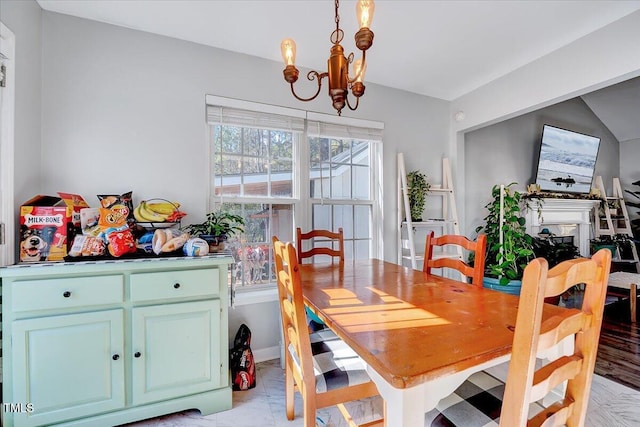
(102, 344)
(174, 350)
(51, 353)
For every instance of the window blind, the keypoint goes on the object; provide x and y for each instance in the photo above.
(252, 114)
(341, 127)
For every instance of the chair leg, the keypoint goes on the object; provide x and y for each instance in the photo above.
(289, 391)
(309, 403)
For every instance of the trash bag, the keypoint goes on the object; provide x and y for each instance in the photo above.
(241, 362)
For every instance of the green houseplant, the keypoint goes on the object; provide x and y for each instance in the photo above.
(417, 189)
(505, 258)
(217, 228)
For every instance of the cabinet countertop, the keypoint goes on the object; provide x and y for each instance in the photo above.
(138, 264)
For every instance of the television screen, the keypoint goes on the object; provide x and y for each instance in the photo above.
(567, 160)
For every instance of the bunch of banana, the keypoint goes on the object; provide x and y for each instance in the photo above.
(155, 211)
(162, 207)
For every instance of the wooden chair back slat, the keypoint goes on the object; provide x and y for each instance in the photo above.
(526, 385)
(478, 248)
(336, 238)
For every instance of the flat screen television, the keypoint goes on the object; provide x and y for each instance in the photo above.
(567, 160)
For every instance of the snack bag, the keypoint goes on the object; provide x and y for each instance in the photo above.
(87, 246)
(168, 240)
(115, 232)
(242, 364)
(89, 221)
(122, 203)
(121, 242)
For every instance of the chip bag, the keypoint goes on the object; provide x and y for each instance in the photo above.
(121, 242)
(122, 203)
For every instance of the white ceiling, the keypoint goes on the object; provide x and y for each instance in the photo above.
(443, 49)
(437, 48)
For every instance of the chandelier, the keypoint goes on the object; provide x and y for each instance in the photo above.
(340, 81)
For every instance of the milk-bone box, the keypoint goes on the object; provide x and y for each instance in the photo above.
(48, 225)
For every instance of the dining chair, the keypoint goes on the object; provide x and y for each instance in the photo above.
(320, 366)
(327, 235)
(478, 248)
(534, 334)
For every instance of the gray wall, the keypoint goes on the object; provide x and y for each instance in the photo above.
(508, 151)
(24, 19)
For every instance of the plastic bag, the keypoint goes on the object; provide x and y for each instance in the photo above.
(241, 362)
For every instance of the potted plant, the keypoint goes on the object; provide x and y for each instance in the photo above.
(217, 228)
(417, 188)
(509, 247)
(603, 242)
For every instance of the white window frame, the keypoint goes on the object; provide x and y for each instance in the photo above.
(300, 200)
(376, 179)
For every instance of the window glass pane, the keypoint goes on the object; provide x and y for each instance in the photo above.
(343, 217)
(230, 139)
(281, 144)
(339, 169)
(348, 249)
(253, 142)
(361, 182)
(341, 182)
(322, 217)
(340, 150)
(247, 160)
(362, 229)
(282, 184)
(361, 153)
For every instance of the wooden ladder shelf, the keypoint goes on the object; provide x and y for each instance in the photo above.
(446, 224)
(613, 219)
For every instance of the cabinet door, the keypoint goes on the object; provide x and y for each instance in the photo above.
(68, 366)
(176, 350)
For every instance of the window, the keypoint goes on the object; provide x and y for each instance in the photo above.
(343, 173)
(260, 158)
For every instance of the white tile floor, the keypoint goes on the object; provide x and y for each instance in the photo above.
(611, 405)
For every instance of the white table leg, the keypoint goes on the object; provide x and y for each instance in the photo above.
(403, 407)
(407, 407)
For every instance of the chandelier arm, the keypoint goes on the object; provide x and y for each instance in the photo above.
(364, 64)
(349, 104)
(312, 75)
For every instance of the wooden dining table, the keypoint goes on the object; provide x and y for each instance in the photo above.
(420, 335)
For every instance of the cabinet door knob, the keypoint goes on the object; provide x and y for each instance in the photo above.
(176, 286)
(66, 294)
(115, 357)
(137, 354)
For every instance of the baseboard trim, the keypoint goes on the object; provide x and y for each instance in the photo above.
(264, 354)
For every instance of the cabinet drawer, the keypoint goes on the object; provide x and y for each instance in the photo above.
(174, 284)
(67, 292)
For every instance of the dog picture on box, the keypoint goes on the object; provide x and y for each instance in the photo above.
(36, 242)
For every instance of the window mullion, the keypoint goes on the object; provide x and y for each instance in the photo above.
(303, 169)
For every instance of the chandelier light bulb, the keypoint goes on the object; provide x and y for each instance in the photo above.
(359, 70)
(364, 12)
(288, 50)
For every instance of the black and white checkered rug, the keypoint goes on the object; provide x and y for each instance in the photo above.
(476, 403)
